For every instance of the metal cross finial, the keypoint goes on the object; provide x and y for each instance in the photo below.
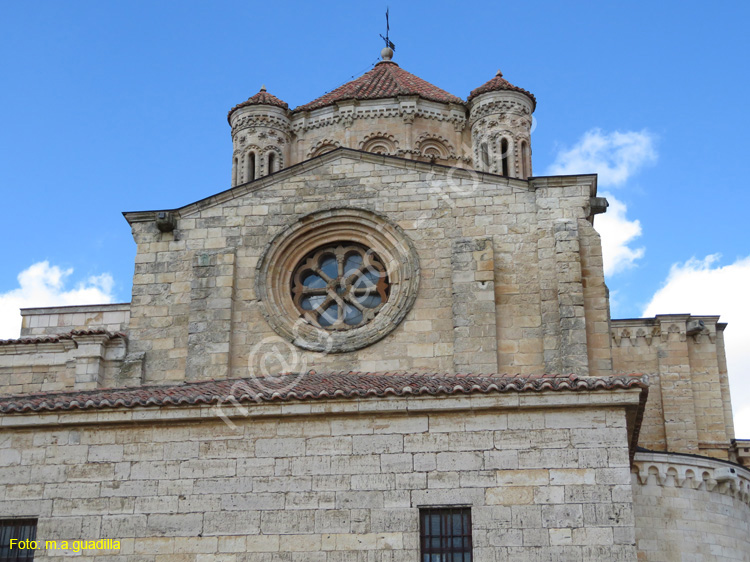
(388, 43)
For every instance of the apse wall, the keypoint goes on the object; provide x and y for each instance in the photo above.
(690, 508)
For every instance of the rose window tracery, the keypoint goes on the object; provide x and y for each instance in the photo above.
(340, 286)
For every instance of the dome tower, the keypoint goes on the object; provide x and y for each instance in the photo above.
(500, 120)
(261, 135)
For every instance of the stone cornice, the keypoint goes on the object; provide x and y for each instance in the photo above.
(629, 398)
(503, 104)
(659, 327)
(45, 310)
(693, 472)
(26, 348)
(404, 107)
(591, 180)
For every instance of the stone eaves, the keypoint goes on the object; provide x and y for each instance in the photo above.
(57, 338)
(312, 386)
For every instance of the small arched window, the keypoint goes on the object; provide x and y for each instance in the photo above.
(250, 175)
(504, 155)
(485, 156)
(271, 162)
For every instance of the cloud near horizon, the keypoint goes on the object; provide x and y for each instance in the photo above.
(703, 287)
(615, 157)
(45, 285)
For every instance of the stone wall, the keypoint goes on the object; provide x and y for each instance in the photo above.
(689, 406)
(62, 319)
(546, 475)
(688, 508)
(435, 207)
(80, 359)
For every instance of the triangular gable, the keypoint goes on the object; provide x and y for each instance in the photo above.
(339, 154)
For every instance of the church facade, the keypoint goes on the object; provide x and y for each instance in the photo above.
(308, 367)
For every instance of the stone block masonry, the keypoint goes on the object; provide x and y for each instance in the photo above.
(542, 484)
(510, 222)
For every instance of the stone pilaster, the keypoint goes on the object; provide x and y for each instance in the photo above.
(89, 367)
(724, 380)
(210, 316)
(549, 305)
(707, 391)
(573, 349)
(676, 382)
(474, 310)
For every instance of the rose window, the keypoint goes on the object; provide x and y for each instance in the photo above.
(340, 286)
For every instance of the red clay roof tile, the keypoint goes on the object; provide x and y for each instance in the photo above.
(386, 80)
(261, 98)
(310, 386)
(55, 338)
(498, 83)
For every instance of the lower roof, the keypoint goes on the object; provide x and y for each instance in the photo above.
(311, 386)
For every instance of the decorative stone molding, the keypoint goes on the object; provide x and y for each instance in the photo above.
(274, 271)
(251, 121)
(379, 143)
(646, 330)
(323, 146)
(696, 473)
(305, 122)
(435, 146)
(632, 334)
(493, 107)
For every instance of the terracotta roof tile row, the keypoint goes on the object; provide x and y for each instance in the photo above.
(386, 80)
(56, 338)
(311, 386)
(261, 98)
(496, 84)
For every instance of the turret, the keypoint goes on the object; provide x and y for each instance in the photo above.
(261, 135)
(500, 120)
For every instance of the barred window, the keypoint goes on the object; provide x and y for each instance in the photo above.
(21, 530)
(445, 534)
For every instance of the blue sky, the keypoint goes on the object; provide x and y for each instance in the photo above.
(110, 107)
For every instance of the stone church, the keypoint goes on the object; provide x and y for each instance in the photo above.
(387, 341)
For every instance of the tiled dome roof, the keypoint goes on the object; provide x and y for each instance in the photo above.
(261, 98)
(386, 80)
(496, 84)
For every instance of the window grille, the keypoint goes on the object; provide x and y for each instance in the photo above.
(20, 529)
(445, 534)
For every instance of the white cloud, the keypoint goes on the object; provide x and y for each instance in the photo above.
(703, 287)
(44, 285)
(614, 156)
(617, 233)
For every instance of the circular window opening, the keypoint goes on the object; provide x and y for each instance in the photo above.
(337, 280)
(340, 286)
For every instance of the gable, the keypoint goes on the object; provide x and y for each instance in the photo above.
(333, 164)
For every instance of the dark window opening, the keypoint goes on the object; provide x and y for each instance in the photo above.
(271, 163)
(504, 157)
(21, 530)
(445, 534)
(250, 167)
